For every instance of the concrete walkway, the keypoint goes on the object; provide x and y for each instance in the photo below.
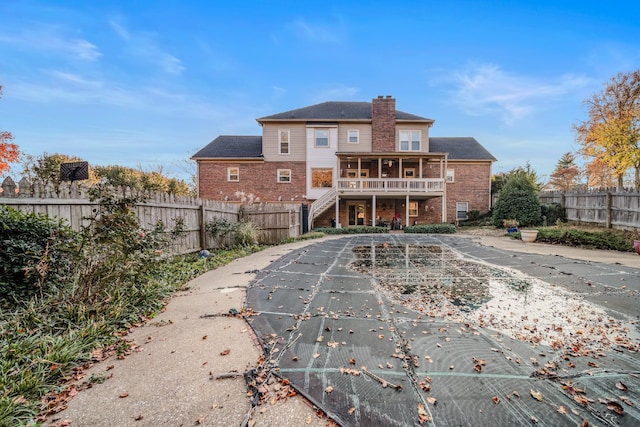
(172, 378)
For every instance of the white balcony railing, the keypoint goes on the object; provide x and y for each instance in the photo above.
(390, 185)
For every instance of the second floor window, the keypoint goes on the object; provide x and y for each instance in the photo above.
(321, 178)
(409, 140)
(283, 147)
(322, 138)
(354, 137)
(451, 175)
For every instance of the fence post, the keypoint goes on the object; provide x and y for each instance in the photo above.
(203, 230)
(609, 209)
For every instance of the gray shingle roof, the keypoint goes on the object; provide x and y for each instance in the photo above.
(459, 148)
(232, 146)
(334, 110)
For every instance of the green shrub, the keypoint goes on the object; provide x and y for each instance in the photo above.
(606, 239)
(35, 254)
(553, 213)
(431, 229)
(352, 230)
(518, 200)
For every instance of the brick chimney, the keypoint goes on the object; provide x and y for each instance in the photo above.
(383, 124)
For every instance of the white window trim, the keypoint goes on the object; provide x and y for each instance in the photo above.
(413, 173)
(409, 140)
(451, 175)
(280, 132)
(357, 141)
(315, 138)
(415, 212)
(458, 210)
(231, 172)
(284, 173)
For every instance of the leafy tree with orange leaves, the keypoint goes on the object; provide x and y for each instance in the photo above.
(611, 134)
(8, 150)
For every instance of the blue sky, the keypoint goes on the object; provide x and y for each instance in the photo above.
(149, 83)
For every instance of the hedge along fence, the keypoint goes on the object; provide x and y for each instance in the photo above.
(610, 208)
(70, 201)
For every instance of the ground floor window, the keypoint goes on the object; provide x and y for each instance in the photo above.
(284, 175)
(462, 210)
(322, 178)
(413, 209)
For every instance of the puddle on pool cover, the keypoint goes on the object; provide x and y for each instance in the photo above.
(438, 282)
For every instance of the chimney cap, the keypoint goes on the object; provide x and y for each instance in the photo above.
(380, 96)
(388, 96)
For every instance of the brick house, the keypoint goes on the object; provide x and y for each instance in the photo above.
(352, 163)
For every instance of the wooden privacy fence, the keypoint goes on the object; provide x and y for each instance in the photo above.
(610, 208)
(71, 202)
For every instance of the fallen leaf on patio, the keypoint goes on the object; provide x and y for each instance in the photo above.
(199, 421)
(562, 409)
(65, 423)
(352, 361)
(423, 415)
(295, 358)
(320, 338)
(432, 400)
(626, 400)
(477, 367)
(536, 394)
(316, 355)
(123, 395)
(329, 389)
(584, 423)
(139, 417)
(534, 419)
(352, 410)
(621, 386)
(592, 364)
(615, 407)
(381, 336)
(496, 399)
(581, 399)
(516, 394)
(225, 352)
(204, 337)
(451, 366)
(333, 344)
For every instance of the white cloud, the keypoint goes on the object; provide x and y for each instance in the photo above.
(144, 46)
(486, 89)
(336, 93)
(52, 39)
(324, 33)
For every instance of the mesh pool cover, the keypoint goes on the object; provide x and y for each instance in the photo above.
(402, 330)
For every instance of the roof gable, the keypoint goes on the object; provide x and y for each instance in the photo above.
(232, 146)
(334, 110)
(460, 148)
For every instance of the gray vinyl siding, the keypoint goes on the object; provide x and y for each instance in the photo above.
(297, 142)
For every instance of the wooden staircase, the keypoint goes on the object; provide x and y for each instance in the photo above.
(321, 204)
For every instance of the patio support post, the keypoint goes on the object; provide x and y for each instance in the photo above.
(338, 211)
(373, 211)
(406, 211)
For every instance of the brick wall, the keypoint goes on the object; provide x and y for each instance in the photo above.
(258, 182)
(383, 124)
(472, 184)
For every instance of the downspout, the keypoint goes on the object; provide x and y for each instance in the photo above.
(444, 194)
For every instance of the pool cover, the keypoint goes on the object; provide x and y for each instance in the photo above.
(402, 330)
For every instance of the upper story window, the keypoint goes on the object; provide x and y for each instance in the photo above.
(322, 137)
(354, 136)
(451, 175)
(284, 175)
(283, 143)
(233, 174)
(409, 140)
